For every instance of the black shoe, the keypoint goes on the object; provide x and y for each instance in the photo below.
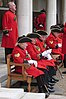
(55, 79)
(64, 72)
(51, 87)
(51, 84)
(47, 95)
(51, 90)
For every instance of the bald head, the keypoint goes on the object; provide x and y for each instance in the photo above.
(12, 6)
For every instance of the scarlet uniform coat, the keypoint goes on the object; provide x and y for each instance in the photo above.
(52, 41)
(33, 51)
(19, 55)
(41, 45)
(9, 22)
(41, 20)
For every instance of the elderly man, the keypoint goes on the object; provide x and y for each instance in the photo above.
(10, 29)
(20, 55)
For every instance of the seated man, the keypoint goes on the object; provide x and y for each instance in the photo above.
(35, 51)
(46, 53)
(20, 55)
(54, 42)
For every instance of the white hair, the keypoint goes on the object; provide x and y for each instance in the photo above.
(10, 4)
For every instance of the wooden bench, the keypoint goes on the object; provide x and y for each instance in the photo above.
(12, 75)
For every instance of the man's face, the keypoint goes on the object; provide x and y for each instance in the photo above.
(12, 6)
(43, 37)
(33, 40)
(56, 34)
(23, 45)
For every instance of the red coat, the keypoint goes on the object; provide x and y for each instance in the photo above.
(40, 44)
(41, 20)
(19, 55)
(33, 53)
(52, 41)
(64, 41)
(9, 22)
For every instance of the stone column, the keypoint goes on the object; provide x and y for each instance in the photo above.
(24, 13)
(51, 13)
(64, 11)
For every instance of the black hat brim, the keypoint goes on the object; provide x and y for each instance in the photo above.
(33, 35)
(56, 30)
(41, 32)
(24, 39)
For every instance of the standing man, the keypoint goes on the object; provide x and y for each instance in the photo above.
(10, 29)
(41, 20)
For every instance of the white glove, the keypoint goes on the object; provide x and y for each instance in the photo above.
(7, 34)
(47, 54)
(59, 45)
(32, 62)
(41, 25)
(49, 51)
(44, 53)
(49, 57)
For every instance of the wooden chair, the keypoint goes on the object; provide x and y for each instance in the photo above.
(12, 75)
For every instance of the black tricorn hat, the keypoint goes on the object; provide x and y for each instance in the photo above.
(24, 39)
(43, 10)
(61, 25)
(33, 35)
(41, 32)
(55, 26)
(56, 30)
(19, 38)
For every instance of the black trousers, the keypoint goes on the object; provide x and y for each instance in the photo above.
(7, 51)
(41, 84)
(64, 60)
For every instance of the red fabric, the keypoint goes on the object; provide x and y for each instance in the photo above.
(33, 53)
(40, 44)
(31, 70)
(60, 35)
(64, 41)
(41, 20)
(51, 42)
(42, 49)
(8, 23)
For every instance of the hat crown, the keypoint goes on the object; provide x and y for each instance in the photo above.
(33, 35)
(56, 30)
(43, 10)
(24, 39)
(55, 26)
(41, 32)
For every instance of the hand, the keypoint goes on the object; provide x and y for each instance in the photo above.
(47, 54)
(49, 51)
(59, 45)
(7, 34)
(32, 62)
(49, 57)
(35, 63)
(44, 53)
(41, 25)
